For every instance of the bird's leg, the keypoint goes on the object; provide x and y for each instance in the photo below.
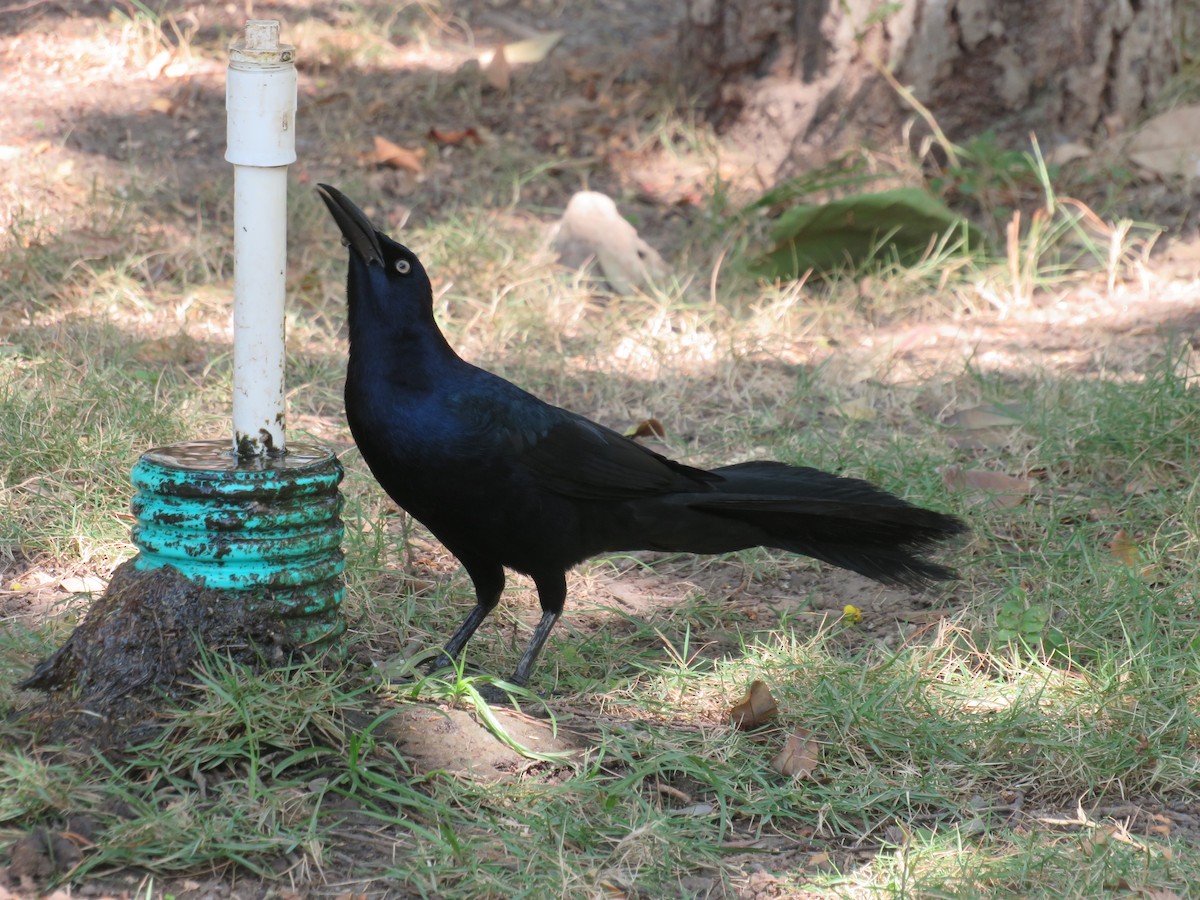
(489, 584)
(529, 657)
(453, 648)
(552, 594)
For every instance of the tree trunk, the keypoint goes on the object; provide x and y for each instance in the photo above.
(794, 81)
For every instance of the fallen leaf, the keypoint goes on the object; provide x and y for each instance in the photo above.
(647, 428)
(1068, 152)
(1140, 487)
(89, 584)
(755, 708)
(999, 490)
(696, 809)
(157, 64)
(799, 755)
(1166, 144)
(397, 157)
(858, 409)
(177, 69)
(532, 50)
(1124, 548)
(986, 416)
(87, 244)
(454, 137)
(851, 230)
(497, 70)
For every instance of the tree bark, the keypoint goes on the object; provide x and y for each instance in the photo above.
(796, 80)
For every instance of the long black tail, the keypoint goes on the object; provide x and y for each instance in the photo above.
(843, 521)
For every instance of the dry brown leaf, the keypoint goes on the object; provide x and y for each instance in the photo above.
(454, 137)
(1124, 548)
(532, 50)
(1140, 487)
(88, 584)
(157, 64)
(696, 809)
(163, 350)
(999, 490)
(922, 616)
(754, 709)
(497, 71)
(517, 53)
(1166, 145)
(177, 69)
(397, 157)
(1068, 152)
(986, 416)
(87, 244)
(857, 409)
(647, 428)
(799, 755)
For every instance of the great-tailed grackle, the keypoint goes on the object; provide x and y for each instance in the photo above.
(503, 479)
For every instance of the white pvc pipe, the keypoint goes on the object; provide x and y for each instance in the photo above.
(260, 104)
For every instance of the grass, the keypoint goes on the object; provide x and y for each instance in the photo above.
(957, 756)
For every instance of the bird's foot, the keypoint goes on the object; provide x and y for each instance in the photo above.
(449, 670)
(494, 695)
(441, 661)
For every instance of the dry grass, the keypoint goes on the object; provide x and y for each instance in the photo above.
(955, 759)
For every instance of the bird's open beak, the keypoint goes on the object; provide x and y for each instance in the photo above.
(356, 228)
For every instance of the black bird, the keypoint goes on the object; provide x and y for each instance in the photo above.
(503, 479)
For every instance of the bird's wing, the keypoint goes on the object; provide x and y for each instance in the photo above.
(573, 456)
(578, 458)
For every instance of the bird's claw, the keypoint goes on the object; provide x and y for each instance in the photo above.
(494, 695)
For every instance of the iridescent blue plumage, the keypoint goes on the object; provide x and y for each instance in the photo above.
(504, 479)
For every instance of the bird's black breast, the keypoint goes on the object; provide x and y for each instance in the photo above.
(452, 459)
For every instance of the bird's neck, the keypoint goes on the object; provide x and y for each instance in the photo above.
(402, 355)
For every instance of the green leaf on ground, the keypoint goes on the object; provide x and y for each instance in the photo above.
(852, 231)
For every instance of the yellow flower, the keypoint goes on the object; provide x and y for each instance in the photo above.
(852, 613)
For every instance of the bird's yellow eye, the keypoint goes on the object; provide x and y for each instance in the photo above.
(403, 266)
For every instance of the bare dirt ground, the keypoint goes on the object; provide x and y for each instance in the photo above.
(82, 101)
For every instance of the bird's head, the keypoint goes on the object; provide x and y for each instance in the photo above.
(387, 283)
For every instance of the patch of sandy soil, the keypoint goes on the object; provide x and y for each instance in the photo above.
(456, 742)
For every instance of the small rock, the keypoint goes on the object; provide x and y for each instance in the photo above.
(591, 228)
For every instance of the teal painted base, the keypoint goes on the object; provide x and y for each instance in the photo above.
(271, 526)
